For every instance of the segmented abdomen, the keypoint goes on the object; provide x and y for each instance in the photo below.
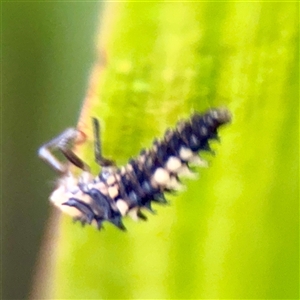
(116, 192)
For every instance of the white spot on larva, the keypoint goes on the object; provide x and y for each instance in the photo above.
(161, 176)
(194, 139)
(197, 161)
(129, 167)
(62, 195)
(185, 153)
(193, 158)
(186, 172)
(173, 164)
(59, 196)
(113, 191)
(214, 114)
(141, 159)
(123, 170)
(174, 184)
(122, 207)
(203, 130)
(94, 223)
(111, 180)
(133, 213)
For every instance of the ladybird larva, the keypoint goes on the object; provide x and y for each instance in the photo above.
(119, 191)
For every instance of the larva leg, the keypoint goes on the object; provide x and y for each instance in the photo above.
(63, 143)
(100, 160)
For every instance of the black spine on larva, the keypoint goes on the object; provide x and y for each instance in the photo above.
(137, 183)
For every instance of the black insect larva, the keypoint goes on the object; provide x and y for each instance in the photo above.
(116, 192)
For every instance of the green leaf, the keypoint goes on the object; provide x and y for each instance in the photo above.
(234, 232)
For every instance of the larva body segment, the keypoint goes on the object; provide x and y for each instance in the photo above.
(119, 191)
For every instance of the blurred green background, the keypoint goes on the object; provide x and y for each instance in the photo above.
(48, 49)
(234, 233)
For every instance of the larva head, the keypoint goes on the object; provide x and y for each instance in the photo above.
(68, 188)
(66, 185)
